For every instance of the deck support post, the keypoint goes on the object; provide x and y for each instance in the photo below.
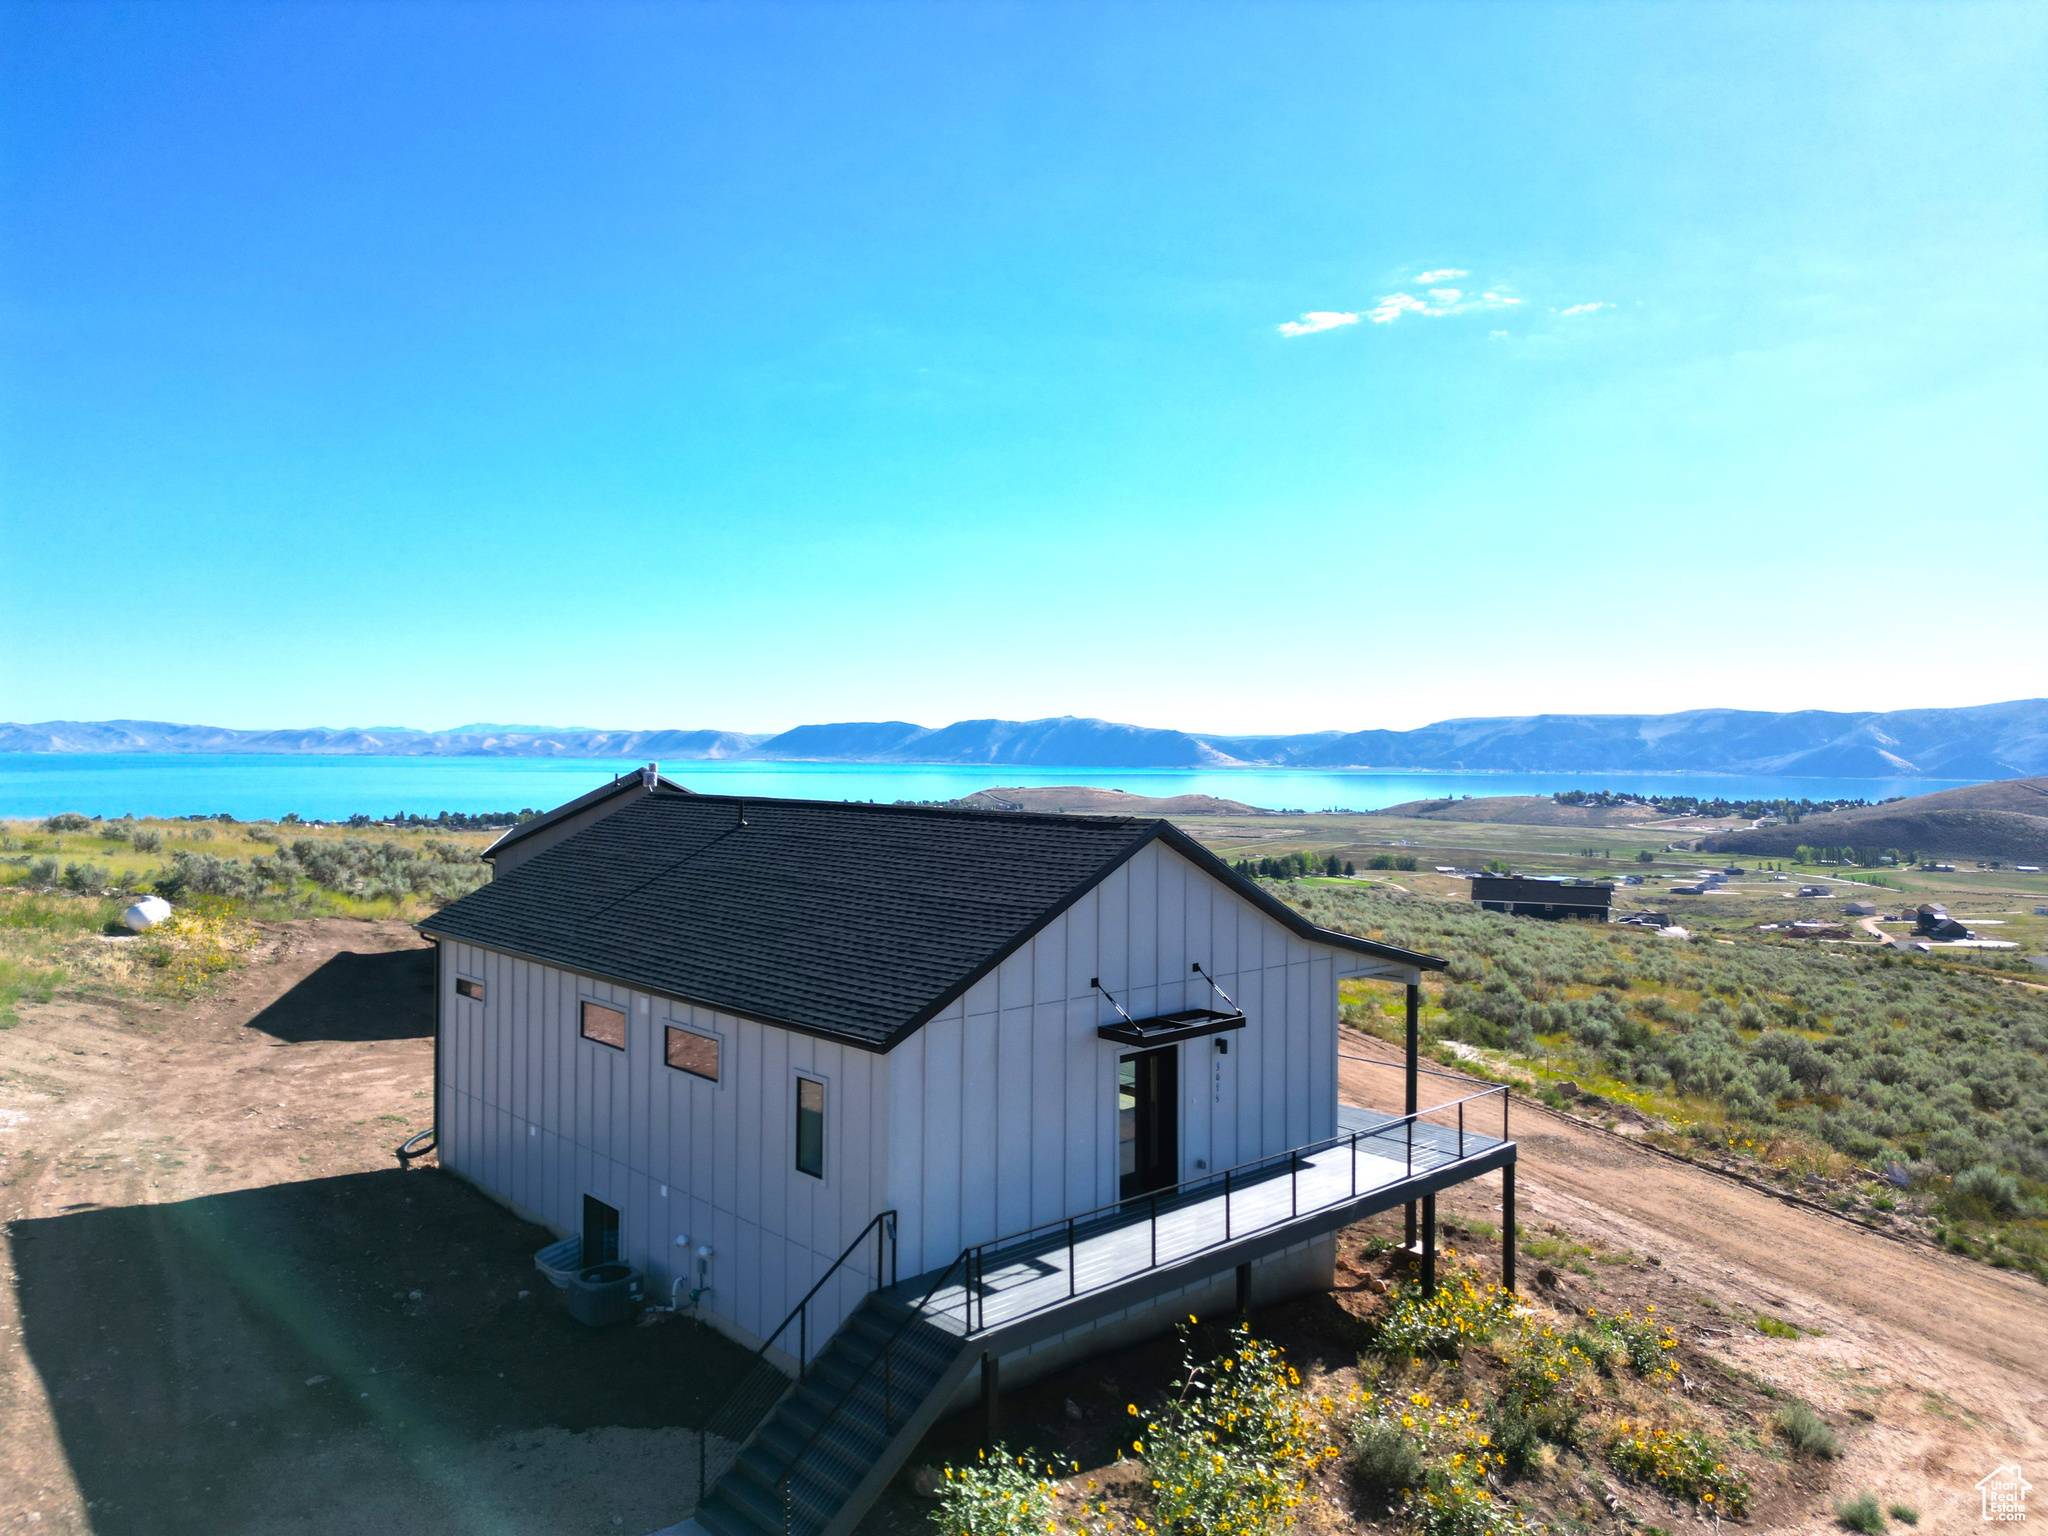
(991, 1427)
(1411, 1098)
(1429, 1245)
(1507, 1226)
(1244, 1290)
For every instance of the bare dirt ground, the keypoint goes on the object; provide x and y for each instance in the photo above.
(225, 1307)
(1948, 1359)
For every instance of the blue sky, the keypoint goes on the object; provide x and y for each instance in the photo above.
(749, 365)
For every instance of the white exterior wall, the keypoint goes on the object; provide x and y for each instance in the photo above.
(998, 1115)
(1002, 1110)
(540, 1117)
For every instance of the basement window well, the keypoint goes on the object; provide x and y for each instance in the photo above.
(810, 1127)
(605, 1025)
(691, 1052)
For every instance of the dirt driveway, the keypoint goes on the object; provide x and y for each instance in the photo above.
(1947, 1359)
(226, 1309)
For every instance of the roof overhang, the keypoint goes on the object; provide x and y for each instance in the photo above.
(1188, 1024)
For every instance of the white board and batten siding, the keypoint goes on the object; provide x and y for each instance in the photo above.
(998, 1115)
(1003, 1109)
(539, 1116)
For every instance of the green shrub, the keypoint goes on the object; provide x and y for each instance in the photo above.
(145, 839)
(1233, 1448)
(66, 821)
(1983, 1189)
(1383, 1461)
(1806, 1431)
(1461, 1312)
(85, 877)
(1683, 1464)
(42, 873)
(1905, 1514)
(998, 1495)
(1861, 1514)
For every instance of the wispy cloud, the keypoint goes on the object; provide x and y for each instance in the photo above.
(1319, 320)
(1586, 309)
(1395, 305)
(1441, 301)
(1433, 302)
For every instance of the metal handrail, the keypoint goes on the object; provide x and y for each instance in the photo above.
(882, 1355)
(972, 1261)
(1236, 1172)
(883, 1225)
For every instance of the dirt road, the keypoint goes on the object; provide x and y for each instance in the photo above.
(1948, 1358)
(223, 1308)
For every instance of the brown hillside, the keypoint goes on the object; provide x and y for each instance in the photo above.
(1521, 810)
(2007, 819)
(1082, 799)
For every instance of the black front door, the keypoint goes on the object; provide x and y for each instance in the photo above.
(1147, 1123)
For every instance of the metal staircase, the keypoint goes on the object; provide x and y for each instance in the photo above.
(848, 1424)
(815, 1453)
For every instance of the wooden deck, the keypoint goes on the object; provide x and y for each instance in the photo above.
(1052, 1266)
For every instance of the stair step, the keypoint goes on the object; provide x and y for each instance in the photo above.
(749, 1501)
(723, 1520)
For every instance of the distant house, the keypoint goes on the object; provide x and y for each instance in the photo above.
(1861, 909)
(1815, 890)
(1526, 897)
(1933, 922)
(894, 1094)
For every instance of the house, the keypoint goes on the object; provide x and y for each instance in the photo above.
(1527, 897)
(1860, 908)
(905, 1096)
(1933, 922)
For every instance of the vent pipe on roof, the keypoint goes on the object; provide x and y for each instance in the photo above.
(649, 777)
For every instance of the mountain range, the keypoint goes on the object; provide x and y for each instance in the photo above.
(1986, 741)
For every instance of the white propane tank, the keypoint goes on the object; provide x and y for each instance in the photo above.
(146, 913)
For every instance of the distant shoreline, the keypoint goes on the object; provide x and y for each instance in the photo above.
(1991, 741)
(253, 786)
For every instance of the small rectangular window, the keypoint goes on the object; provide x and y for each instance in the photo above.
(690, 1052)
(607, 1026)
(810, 1127)
(464, 987)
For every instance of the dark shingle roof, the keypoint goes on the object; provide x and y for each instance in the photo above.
(621, 784)
(860, 922)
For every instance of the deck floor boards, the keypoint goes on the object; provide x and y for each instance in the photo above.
(1042, 1270)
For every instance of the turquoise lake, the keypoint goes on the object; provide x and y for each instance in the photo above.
(327, 788)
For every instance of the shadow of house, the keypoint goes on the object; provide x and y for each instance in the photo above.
(385, 995)
(270, 1358)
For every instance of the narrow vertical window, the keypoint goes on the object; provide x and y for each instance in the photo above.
(810, 1127)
